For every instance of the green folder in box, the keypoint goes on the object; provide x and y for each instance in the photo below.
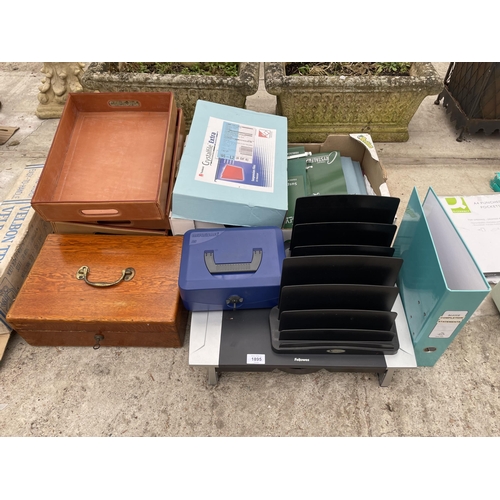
(297, 187)
(293, 150)
(325, 174)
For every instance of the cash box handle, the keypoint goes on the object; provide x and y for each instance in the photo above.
(237, 267)
(127, 275)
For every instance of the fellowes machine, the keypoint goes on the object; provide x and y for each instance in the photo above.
(335, 305)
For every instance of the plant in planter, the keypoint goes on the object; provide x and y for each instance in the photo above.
(188, 82)
(377, 101)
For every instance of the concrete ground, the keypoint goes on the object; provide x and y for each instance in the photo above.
(71, 391)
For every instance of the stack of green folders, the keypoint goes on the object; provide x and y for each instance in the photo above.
(320, 174)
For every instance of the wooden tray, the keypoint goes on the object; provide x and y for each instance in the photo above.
(56, 308)
(110, 227)
(110, 159)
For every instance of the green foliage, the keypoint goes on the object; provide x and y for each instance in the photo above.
(142, 67)
(164, 68)
(347, 68)
(393, 67)
(304, 70)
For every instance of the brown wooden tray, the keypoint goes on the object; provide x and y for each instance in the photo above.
(109, 227)
(110, 159)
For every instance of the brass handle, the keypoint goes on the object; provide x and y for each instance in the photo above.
(127, 275)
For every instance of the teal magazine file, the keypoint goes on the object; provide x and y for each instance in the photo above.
(440, 283)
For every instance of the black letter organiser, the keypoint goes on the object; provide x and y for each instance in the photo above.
(338, 284)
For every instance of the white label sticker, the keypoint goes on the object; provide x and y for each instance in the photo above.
(256, 359)
(447, 324)
(367, 141)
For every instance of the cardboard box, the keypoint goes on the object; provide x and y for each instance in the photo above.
(233, 169)
(22, 233)
(359, 147)
(180, 226)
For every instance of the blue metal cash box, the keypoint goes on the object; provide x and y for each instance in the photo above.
(231, 268)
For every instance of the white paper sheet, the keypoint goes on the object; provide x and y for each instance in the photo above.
(477, 218)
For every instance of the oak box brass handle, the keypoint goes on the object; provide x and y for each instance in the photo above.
(82, 273)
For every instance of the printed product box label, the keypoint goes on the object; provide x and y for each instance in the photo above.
(238, 155)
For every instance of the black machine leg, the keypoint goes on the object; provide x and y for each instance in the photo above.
(385, 378)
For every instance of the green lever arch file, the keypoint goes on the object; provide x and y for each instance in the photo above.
(440, 283)
(325, 173)
(297, 187)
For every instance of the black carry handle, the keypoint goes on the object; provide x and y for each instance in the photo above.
(238, 267)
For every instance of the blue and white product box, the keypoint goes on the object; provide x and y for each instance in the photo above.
(231, 268)
(22, 233)
(234, 168)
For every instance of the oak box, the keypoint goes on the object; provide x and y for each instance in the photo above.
(93, 290)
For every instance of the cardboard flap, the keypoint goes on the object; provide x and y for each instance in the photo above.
(4, 339)
(366, 140)
(6, 133)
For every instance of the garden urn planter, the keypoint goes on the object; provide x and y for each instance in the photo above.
(187, 89)
(382, 106)
(471, 95)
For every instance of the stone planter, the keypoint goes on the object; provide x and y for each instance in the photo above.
(382, 106)
(187, 89)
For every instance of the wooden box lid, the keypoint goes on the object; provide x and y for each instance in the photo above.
(53, 298)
